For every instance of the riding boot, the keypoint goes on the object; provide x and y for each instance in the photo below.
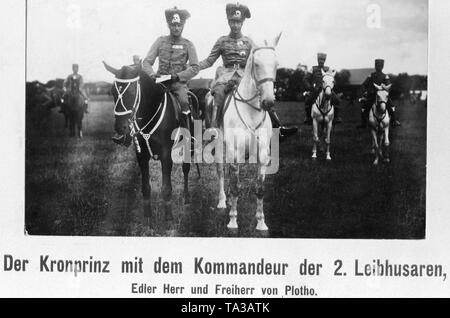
(62, 110)
(337, 118)
(394, 120)
(187, 122)
(308, 119)
(122, 140)
(85, 106)
(276, 123)
(363, 119)
(337, 110)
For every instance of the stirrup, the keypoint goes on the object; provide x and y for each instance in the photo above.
(122, 140)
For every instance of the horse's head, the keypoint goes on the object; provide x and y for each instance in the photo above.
(126, 94)
(382, 95)
(264, 69)
(328, 82)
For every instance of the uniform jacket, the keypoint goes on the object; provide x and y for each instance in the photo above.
(74, 82)
(375, 78)
(173, 55)
(234, 52)
(313, 80)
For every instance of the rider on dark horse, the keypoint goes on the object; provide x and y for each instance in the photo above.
(235, 49)
(73, 84)
(313, 83)
(174, 52)
(370, 92)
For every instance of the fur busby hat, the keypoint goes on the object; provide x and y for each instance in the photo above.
(379, 63)
(321, 56)
(176, 15)
(237, 11)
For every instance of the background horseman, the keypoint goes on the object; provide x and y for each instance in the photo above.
(370, 92)
(74, 84)
(313, 84)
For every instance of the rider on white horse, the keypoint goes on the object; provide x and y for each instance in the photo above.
(313, 83)
(235, 49)
(378, 78)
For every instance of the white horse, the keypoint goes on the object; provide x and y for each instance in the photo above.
(322, 113)
(379, 121)
(245, 119)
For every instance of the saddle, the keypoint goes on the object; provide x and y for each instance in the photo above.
(176, 106)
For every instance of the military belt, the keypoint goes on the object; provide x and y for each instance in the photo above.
(234, 66)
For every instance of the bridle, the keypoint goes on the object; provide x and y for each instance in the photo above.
(377, 103)
(258, 82)
(133, 110)
(135, 128)
(322, 102)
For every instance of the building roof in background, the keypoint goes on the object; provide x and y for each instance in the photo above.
(359, 75)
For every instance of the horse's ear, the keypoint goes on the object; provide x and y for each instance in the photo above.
(110, 69)
(323, 72)
(277, 39)
(333, 73)
(387, 87)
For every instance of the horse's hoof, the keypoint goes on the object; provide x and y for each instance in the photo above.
(171, 233)
(262, 227)
(314, 156)
(222, 204)
(375, 163)
(232, 225)
(328, 157)
(387, 160)
(148, 221)
(168, 215)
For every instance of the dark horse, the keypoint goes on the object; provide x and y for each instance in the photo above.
(144, 110)
(74, 111)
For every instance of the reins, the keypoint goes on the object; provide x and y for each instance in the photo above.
(379, 119)
(238, 97)
(135, 128)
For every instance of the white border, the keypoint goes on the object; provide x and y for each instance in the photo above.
(434, 249)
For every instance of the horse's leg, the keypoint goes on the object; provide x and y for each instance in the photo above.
(259, 191)
(380, 143)
(72, 126)
(66, 121)
(80, 126)
(328, 137)
(234, 194)
(143, 162)
(166, 191)
(222, 196)
(386, 145)
(375, 145)
(186, 169)
(315, 138)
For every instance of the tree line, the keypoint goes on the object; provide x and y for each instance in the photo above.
(291, 84)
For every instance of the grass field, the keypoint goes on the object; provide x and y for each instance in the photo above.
(91, 186)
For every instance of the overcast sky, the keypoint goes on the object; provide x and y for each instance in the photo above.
(62, 32)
